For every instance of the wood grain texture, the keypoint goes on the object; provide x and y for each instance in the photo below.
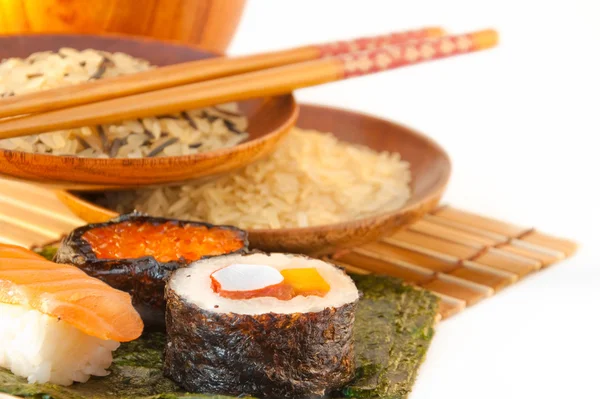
(547, 241)
(433, 244)
(208, 24)
(270, 119)
(258, 87)
(384, 250)
(450, 306)
(458, 282)
(492, 280)
(460, 261)
(251, 86)
(467, 294)
(457, 236)
(32, 215)
(191, 72)
(387, 267)
(481, 222)
(254, 84)
(511, 264)
(544, 258)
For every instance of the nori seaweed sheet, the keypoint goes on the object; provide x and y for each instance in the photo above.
(143, 278)
(277, 356)
(394, 326)
(393, 329)
(136, 373)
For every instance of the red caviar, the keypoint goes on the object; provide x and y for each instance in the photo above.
(165, 242)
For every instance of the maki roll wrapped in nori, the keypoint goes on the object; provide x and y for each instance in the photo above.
(266, 325)
(137, 253)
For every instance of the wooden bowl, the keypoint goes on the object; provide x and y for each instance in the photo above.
(269, 120)
(209, 24)
(430, 168)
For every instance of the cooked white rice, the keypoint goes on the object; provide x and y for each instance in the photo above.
(194, 284)
(311, 179)
(190, 132)
(44, 349)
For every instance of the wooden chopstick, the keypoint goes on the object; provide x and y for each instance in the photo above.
(196, 71)
(268, 82)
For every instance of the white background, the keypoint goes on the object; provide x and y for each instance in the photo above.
(521, 123)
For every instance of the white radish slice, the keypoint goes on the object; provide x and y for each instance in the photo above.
(241, 277)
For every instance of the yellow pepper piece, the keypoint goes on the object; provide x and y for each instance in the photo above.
(306, 281)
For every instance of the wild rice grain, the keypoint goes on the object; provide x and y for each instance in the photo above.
(162, 146)
(103, 139)
(106, 62)
(115, 146)
(189, 120)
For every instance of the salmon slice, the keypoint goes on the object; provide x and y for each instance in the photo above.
(16, 252)
(67, 293)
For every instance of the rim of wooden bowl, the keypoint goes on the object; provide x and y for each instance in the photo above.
(14, 164)
(369, 227)
(113, 35)
(322, 239)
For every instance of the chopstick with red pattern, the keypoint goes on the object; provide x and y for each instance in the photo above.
(263, 83)
(394, 56)
(195, 71)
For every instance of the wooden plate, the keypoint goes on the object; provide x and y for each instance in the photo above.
(430, 168)
(269, 120)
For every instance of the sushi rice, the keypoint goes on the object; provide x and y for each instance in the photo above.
(45, 349)
(195, 285)
(57, 324)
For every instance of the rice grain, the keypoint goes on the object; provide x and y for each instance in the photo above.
(206, 128)
(311, 179)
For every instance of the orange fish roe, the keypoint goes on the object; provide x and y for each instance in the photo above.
(165, 242)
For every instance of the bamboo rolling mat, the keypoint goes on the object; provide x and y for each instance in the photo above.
(461, 257)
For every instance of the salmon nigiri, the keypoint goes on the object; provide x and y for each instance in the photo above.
(57, 324)
(16, 252)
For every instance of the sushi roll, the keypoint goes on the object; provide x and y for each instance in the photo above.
(58, 324)
(136, 254)
(267, 325)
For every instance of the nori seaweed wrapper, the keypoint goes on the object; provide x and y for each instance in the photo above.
(395, 325)
(298, 355)
(143, 278)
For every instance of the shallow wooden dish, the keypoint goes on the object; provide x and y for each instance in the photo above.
(269, 120)
(430, 167)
